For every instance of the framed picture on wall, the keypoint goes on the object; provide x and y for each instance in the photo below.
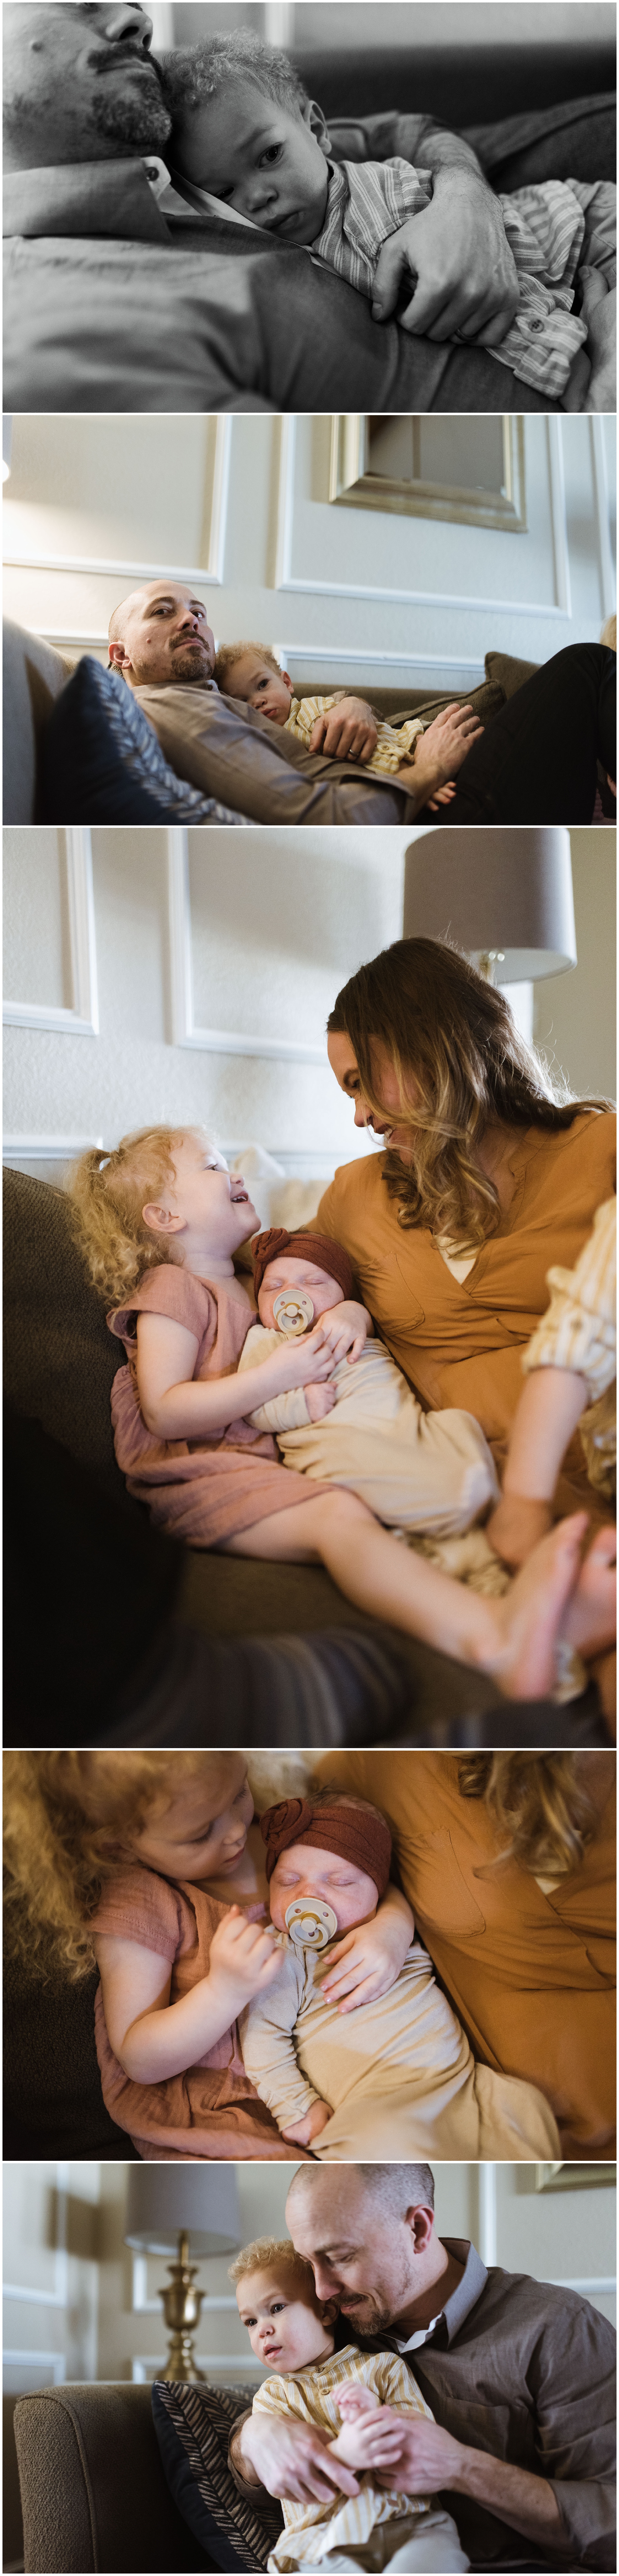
(567, 2177)
(467, 469)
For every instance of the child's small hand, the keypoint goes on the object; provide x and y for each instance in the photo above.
(303, 1361)
(367, 1962)
(345, 1328)
(303, 2131)
(355, 2399)
(319, 1400)
(372, 2440)
(243, 1956)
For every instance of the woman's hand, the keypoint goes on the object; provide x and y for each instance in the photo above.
(346, 1328)
(303, 2131)
(367, 1962)
(243, 1958)
(516, 1526)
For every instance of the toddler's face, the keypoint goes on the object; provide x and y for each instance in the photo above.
(202, 1832)
(322, 1877)
(260, 687)
(285, 2324)
(324, 1292)
(259, 157)
(204, 1202)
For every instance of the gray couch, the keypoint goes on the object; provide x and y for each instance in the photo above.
(93, 2492)
(34, 674)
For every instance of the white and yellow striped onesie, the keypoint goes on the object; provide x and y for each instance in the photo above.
(393, 746)
(382, 2528)
(579, 1332)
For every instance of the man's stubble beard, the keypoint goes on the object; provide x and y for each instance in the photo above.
(143, 123)
(190, 667)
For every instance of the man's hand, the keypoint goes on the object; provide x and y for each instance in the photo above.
(348, 732)
(346, 1329)
(429, 2458)
(366, 1963)
(290, 2459)
(457, 250)
(516, 1526)
(442, 749)
(304, 2131)
(599, 311)
(319, 1400)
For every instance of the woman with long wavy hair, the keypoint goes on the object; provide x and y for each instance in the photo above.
(508, 1860)
(489, 1175)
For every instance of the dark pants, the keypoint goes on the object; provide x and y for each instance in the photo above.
(537, 760)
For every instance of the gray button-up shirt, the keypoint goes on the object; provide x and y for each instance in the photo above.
(524, 2371)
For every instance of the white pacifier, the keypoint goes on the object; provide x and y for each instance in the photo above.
(310, 1926)
(292, 1311)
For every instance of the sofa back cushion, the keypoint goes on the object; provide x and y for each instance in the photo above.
(33, 675)
(193, 2427)
(510, 673)
(60, 1358)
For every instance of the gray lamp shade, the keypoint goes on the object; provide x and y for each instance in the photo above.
(165, 2201)
(503, 888)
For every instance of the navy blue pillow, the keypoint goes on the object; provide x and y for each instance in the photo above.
(102, 763)
(193, 2425)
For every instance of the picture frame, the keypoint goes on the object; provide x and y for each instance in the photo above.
(573, 2177)
(353, 485)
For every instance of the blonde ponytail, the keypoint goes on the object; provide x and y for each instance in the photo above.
(107, 1193)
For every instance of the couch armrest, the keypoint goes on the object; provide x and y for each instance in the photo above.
(33, 675)
(93, 2492)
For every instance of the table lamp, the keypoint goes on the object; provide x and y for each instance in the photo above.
(502, 893)
(174, 2209)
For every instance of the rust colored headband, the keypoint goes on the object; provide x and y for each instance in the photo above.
(355, 1833)
(303, 1246)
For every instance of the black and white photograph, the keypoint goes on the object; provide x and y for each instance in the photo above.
(430, 191)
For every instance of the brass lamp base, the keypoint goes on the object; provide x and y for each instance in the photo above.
(181, 2307)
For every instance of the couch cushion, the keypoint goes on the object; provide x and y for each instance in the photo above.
(193, 2427)
(486, 699)
(60, 1358)
(101, 761)
(510, 674)
(33, 675)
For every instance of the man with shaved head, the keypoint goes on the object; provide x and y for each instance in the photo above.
(160, 640)
(519, 2376)
(99, 316)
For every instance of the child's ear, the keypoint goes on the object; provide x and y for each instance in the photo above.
(288, 683)
(312, 115)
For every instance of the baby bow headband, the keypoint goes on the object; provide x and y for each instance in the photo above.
(355, 1833)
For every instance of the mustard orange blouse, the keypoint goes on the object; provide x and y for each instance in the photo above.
(460, 1343)
(532, 1977)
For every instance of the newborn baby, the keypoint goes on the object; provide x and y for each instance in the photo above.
(246, 134)
(252, 672)
(419, 1472)
(341, 2394)
(393, 2078)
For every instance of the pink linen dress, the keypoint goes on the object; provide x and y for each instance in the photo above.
(212, 2109)
(202, 1490)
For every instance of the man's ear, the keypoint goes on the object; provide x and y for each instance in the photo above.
(118, 656)
(160, 1220)
(312, 115)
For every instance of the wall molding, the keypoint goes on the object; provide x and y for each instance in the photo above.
(151, 2365)
(185, 1032)
(142, 2306)
(18, 2357)
(608, 575)
(406, 662)
(81, 1019)
(46, 1149)
(210, 574)
(286, 580)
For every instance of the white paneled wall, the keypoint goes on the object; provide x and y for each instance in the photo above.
(78, 2306)
(209, 962)
(240, 506)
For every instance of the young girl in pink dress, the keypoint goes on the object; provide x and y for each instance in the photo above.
(160, 1221)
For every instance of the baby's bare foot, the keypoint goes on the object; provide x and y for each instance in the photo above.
(590, 1619)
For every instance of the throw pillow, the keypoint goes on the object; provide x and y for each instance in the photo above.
(102, 763)
(193, 2427)
(509, 672)
(485, 700)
